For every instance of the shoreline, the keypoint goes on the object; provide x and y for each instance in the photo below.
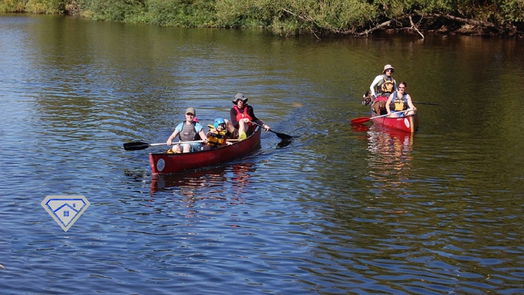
(438, 25)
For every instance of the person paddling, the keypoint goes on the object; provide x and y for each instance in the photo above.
(381, 88)
(400, 101)
(243, 117)
(189, 130)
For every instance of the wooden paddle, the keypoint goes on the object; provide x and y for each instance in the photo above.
(139, 145)
(363, 120)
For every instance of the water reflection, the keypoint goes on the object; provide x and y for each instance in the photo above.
(449, 214)
(390, 156)
(241, 175)
(213, 179)
(200, 188)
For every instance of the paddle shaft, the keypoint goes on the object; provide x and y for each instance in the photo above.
(138, 145)
(426, 103)
(282, 136)
(398, 112)
(177, 142)
(362, 120)
(379, 116)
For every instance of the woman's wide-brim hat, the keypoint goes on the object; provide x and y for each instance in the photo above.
(239, 96)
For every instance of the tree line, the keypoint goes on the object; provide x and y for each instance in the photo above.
(296, 17)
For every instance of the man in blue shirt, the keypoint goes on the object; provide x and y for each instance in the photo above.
(188, 131)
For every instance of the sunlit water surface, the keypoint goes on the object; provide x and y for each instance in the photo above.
(341, 210)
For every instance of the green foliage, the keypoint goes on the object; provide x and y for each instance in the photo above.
(46, 6)
(12, 6)
(513, 10)
(114, 10)
(332, 15)
(233, 13)
(294, 16)
(285, 17)
(34, 6)
(186, 13)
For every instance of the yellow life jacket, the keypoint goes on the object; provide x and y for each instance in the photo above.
(216, 138)
(400, 103)
(388, 86)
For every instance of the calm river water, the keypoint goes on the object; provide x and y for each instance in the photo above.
(340, 210)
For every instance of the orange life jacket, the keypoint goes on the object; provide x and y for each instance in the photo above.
(216, 138)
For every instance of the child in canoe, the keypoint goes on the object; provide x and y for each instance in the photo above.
(219, 134)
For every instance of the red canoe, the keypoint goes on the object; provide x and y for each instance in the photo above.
(406, 124)
(163, 163)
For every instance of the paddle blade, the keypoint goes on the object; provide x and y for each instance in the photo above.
(283, 143)
(135, 146)
(360, 120)
(282, 135)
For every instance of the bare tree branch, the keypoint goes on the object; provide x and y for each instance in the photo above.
(464, 20)
(415, 27)
(306, 19)
(377, 27)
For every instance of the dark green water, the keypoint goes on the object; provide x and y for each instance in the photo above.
(339, 211)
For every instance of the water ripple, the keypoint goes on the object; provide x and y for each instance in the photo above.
(342, 209)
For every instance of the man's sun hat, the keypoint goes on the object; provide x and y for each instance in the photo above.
(388, 67)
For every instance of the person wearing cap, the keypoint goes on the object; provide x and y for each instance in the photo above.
(243, 117)
(189, 130)
(381, 88)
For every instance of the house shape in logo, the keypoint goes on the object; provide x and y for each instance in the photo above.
(65, 210)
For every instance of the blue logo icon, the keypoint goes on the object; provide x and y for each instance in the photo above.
(65, 210)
